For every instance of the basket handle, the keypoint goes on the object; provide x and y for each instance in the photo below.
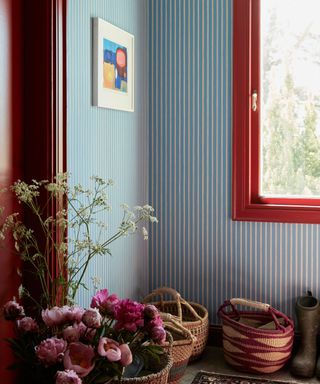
(169, 339)
(166, 290)
(179, 300)
(171, 323)
(250, 303)
(257, 305)
(191, 309)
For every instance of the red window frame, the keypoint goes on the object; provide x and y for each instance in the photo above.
(247, 204)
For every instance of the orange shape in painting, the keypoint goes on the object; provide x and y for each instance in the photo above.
(109, 75)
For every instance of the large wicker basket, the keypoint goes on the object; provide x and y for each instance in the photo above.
(256, 340)
(181, 349)
(160, 376)
(192, 316)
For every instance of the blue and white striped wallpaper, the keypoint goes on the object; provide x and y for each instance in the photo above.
(110, 143)
(196, 247)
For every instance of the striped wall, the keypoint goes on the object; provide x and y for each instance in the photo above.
(197, 248)
(110, 143)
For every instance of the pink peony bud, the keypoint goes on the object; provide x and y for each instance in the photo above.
(27, 324)
(129, 315)
(12, 310)
(50, 351)
(74, 332)
(75, 313)
(55, 316)
(79, 358)
(158, 334)
(109, 348)
(105, 303)
(126, 355)
(67, 377)
(92, 318)
(150, 311)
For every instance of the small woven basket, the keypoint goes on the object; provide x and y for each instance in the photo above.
(159, 377)
(258, 340)
(192, 316)
(182, 347)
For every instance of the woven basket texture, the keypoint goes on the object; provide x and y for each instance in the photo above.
(252, 349)
(181, 348)
(160, 376)
(192, 316)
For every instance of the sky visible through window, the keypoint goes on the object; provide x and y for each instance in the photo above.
(290, 98)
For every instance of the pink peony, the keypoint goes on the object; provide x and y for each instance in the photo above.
(105, 303)
(50, 351)
(27, 324)
(109, 348)
(129, 315)
(75, 313)
(79, 358)
(155, 322)
(12, 310)
(74, 332)
(150, 311)
(158, 334)
(126, 355)
(92, 318)
(55, 315)
(67, 377)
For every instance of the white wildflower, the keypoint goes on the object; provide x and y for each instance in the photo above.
(124, 206)
(148, 208)
(62, 247)
(96, 281)
(144, 233)
(132, 225)
(25, 192)
(153, 219)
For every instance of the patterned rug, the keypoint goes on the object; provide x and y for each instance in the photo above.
(203, 377)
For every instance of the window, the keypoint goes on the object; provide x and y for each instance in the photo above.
(276, 111)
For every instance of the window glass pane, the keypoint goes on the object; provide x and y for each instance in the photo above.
(290, 98)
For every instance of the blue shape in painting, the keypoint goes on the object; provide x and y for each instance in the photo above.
(115, 75)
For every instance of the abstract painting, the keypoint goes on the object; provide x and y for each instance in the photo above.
(113, 67)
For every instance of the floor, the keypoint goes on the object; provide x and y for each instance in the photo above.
(213, 361)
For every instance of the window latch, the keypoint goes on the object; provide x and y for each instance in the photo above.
(254, 100)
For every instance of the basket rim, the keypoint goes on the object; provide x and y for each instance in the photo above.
(288, 329)
(151, 376)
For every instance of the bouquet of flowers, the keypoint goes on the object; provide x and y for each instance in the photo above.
(56, 340)
(70, 344)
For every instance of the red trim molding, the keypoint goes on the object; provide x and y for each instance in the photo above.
(247, 204)
(44, 99)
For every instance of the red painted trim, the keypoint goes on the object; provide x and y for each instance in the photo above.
(247, 204)
(44, 72)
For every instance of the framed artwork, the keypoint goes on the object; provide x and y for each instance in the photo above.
(113, 67)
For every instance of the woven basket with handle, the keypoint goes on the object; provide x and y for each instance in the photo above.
(182, 347)
(192, 316)
(257, 340)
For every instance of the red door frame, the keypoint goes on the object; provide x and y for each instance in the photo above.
(247, 204)
(36, 130)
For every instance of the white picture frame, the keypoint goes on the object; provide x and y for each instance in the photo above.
(113, 67)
